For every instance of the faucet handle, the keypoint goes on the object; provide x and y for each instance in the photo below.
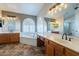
(70, 39)
(62, 37)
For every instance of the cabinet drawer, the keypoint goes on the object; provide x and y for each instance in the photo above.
(51, 43)
(55, 44)
(69, 52)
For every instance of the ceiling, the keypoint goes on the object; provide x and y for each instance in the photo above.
(69, 11)
(40, 9)
(25, 8)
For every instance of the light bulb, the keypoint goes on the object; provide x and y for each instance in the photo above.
(56, 7)
(8, 18)
(62, 4)
(3, 17)
(55, 11)
(65, 6)
(52, 10)
(60, 9)
(49, 12)
(14, 18)
(0, 17)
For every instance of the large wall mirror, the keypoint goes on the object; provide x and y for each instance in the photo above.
(9, 24)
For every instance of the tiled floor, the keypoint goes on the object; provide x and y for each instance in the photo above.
(20, 50)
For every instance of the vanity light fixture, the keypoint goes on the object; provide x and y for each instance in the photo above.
(7, 17)
(57, 7)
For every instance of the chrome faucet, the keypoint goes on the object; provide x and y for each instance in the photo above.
(65, 36)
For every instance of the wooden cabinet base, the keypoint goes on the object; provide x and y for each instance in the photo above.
(40, 41)
(54, 49)
(69, 52)
(49, 51)
(14, 37)
(9, 38)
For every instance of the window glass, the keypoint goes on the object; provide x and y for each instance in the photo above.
(41, 26)
(28, 26)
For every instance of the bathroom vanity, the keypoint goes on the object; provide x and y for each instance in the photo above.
(9, 37)
(56, 46)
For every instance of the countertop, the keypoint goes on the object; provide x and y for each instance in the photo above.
(73, 44)
(8, 32)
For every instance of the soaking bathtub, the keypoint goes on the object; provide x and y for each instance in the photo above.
(30, 39)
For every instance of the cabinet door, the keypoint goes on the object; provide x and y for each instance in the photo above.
(14, 37)
(46, 42)
(58, 53)
(69, 52)
(59, 50)
(40, 41)
(49, 50)
(4, 38)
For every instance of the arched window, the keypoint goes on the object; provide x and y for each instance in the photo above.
(28, 25)
(41, 25)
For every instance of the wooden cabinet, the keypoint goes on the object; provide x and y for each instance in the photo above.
(4, 38)
(53, 49)
(69, 52)
(46, 42)
(40, 41)
(14, 37)
(49, 50)
(58, 48)
(9, 38)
